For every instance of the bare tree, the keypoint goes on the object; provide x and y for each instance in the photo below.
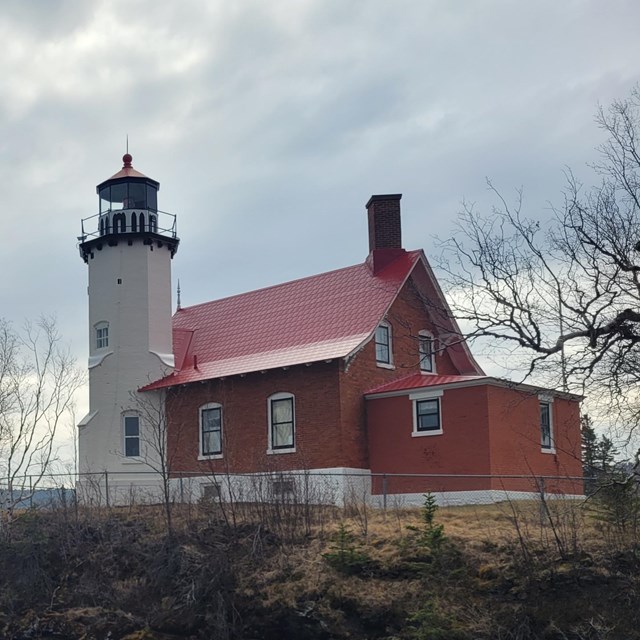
(38, 381)
(159, 447)
(567, 290)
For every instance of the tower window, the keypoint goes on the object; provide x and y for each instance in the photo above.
(102, 335)
(131, 436)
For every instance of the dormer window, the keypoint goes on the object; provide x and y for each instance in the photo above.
(425, 349)
(102, 335)
(384, 352)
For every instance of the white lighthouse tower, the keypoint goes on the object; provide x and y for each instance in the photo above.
(128, 247)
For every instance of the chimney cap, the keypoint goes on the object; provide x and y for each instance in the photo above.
(380, 198)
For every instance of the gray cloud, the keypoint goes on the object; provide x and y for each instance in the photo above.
(270, 124)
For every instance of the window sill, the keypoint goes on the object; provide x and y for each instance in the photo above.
(551, 451)
(273, 452)
(133, 460)
(420, 434)
(213, 456)
(385, 365)
(428, 373)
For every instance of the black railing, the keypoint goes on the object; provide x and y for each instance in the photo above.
(158, 222)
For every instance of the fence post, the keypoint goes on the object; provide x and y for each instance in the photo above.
(384, 491)
(31, 492)
(181, 491)
(542, 499)
(106, 487)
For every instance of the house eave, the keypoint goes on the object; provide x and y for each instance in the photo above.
(489, 381)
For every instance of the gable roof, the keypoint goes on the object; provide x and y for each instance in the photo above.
(321, 317)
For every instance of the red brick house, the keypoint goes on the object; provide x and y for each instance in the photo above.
(356, 372)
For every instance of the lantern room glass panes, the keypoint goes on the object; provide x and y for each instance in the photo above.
(118, 196)
(152, 198)
(136, 198)
(105, 202)
(128, 195)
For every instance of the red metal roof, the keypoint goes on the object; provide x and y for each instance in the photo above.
(127, 170)
(309, 320)
(420, 381)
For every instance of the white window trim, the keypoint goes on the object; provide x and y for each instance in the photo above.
(425, 395)
(210, 456)
(139, 457)
(547, 399)
(103, 324)
(280, 396)
(384, 365)
(427, 334)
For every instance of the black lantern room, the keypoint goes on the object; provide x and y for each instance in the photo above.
(128, 205)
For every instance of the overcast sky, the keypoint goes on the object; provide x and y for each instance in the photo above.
(269, 125)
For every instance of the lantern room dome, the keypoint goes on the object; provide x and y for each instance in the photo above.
(127, 170)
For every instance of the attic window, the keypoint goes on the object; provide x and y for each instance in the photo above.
(425, 348)
(384, 352)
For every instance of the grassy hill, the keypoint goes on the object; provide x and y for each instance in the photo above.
(512, 571)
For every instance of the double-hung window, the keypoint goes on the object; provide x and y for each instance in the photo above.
(384, 353)
(211, 430)
(425, 349)
(427, 413)
(546, 427)
(102, 335)
(282, 422)
(131, 426)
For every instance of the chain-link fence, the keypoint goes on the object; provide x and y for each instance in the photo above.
(335, 487)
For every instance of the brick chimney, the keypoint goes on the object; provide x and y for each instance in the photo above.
(385, 234)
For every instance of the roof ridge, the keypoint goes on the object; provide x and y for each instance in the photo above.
(412, 254)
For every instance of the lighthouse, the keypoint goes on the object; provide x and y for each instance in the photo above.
(128, 247)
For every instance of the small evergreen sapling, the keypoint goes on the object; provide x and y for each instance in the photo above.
(431, 533)
(344, 555)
